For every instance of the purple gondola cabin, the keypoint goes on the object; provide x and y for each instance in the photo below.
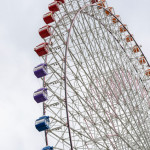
(40, 70)
(40, 95)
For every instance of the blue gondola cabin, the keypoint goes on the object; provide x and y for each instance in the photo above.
(40, 70)
(40, 95)
(42, 123)
(48, 148)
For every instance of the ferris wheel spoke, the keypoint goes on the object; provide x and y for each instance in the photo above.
(72, 128)
(60, 139)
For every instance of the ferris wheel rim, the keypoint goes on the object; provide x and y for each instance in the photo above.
(65, 58)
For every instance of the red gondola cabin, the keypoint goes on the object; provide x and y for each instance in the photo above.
(54, 6)
(41, 49)
(94, 1)
(45, 31)
(60, 1)
(48, 17)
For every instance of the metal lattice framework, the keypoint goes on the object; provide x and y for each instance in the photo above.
(98, 90)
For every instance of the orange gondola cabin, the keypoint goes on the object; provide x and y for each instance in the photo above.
(109, 9)
(129, 38)
(114, 20)
(136, 49)
(45, 31)
(48, 17)
(147, 72)
(122, 28)
(101, 4)
(54, 6)
(41, 49)
(142, 60)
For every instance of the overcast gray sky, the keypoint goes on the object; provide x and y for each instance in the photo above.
(19, 24)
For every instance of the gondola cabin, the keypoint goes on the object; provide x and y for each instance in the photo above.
(60, 1)
(142, 60)
(122, 28)
(136, 49)
(54, 6)
(42, 123)
(40, 70)
(129, 38)
(45, 31)
(147, 72)
(41, 49)
(109, 9)
(40, 95)
(94, 1)
(101, 4)
(114, 20)
(48, 17)
(48, 148)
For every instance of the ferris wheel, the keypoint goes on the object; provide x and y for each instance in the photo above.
(95, 91)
